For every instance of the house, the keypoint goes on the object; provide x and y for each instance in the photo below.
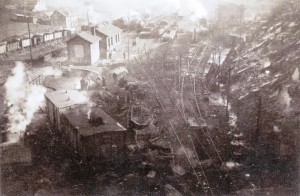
(84, 48)
(59, 18)
(58, 102)
(110, 35)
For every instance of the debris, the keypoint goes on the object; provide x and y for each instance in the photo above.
(151, 174)
(171, 191)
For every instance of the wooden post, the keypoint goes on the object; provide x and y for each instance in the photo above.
(29, 40)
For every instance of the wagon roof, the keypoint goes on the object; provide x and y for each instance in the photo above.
(78, 118)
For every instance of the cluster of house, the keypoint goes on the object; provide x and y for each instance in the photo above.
(93, 43)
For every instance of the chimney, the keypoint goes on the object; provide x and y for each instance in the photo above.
(93, 30)
(95, 120)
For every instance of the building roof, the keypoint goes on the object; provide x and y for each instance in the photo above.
(87, 37)
(108, 29)
(66, 98)
(65, 14)
(78, 118)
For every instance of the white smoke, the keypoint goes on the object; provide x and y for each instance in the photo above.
(50, 71)
(22, 99)
(113, 9)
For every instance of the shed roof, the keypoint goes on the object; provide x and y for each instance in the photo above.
(65, 14)
(66, 98)
(108, 29)
(87, 37)
(78, 118)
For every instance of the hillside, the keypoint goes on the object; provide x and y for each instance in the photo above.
(263, 73)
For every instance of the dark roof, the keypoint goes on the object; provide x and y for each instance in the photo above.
(108, 29)
(87, 37)
(78, 118)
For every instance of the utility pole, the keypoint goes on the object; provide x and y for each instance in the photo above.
(28, 26)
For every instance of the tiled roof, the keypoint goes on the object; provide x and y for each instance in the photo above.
(87, 36)
(78, 118)
(66, 98)
(108, 29)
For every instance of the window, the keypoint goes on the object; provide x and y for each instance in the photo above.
(112, 41)
(116, 38)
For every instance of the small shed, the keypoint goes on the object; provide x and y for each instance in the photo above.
(94, 134)
(59, 101)
(84, 48)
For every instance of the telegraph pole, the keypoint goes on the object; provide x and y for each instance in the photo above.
(28, 26)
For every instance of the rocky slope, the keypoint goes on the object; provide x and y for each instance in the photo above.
(264, 95)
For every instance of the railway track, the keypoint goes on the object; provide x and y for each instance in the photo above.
(172, 103)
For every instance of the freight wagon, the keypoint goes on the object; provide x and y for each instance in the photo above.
(3, 47)
(16, 42)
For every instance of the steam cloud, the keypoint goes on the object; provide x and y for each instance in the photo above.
(22, 99)
(112, 9)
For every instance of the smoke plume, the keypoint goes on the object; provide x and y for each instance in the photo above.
(22, 99)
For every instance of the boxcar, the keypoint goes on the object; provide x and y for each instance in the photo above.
(37, 39)
(3, 47)
(25, 42)
(48, 37)
(57, 34)
(13, 45)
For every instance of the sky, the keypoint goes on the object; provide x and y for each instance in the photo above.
(112, 9)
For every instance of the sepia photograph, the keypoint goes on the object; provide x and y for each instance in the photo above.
(149, 97)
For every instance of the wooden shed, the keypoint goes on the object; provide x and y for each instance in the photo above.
(84, 49)
(59, 101)
(94, 134)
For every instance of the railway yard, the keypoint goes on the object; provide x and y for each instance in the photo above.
(196, 108)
